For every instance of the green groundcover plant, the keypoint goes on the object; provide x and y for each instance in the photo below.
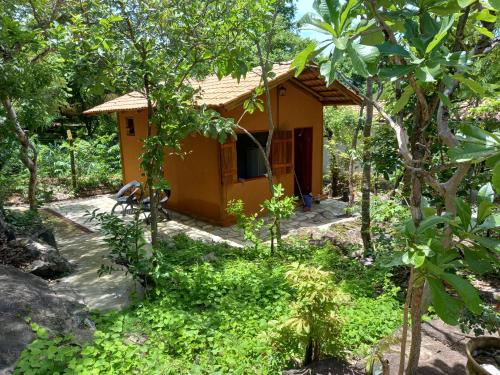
(225, 313)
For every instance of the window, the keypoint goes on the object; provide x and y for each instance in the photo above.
(250, 162)
(130, 126)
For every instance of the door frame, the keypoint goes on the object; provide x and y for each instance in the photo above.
(305, 179)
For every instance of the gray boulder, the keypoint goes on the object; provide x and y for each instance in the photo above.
(24, 296)
(35, 257)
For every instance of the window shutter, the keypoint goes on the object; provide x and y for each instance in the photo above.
(281, 152)
(228, 161)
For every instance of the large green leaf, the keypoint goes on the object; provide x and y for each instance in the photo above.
(488, 242)
(391, 49)
(490, 222)
(369, 54)
(486, 193)
(302, 58)
(322, 26)
(477, 260)
(485, 15)
(465, 290)
(476, 145)
(495, 180)
(431, 222)
(471, 84)
(446, 24)
(465, 3)
(394, 71)
(345, 15)
(464, 212)
(358, 63)
(447, 307)
(403, 100)
(327, 70)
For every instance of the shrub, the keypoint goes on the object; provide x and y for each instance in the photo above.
(314, 322)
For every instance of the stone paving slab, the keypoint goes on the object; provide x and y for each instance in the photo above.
(86, 252)
(322, 216)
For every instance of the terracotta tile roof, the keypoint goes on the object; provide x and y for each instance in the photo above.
(129, 102)
(217, 93)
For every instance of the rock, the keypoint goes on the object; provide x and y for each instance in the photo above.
(210, 257)
(26, 296)
(40, 259)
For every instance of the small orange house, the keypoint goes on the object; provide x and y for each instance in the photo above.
(212, 174)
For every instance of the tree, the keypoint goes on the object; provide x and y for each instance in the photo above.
(417, 51)
(158, 48)
(29, 74)
(367, 160)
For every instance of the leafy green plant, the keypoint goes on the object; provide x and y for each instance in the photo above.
(314, 321)
(46, 355)
(249, 224)
(127, 245)
(279, 207)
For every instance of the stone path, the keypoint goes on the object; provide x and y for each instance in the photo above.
(86, 252)
(443, 350)
(322, 216)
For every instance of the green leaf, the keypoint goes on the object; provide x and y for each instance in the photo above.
(495, 180)
(424, 74)
(447, 307)
(446, 24)
(477, 260)
(357, 62)
(324, 27)
(465, 290)
(396, 70)
(464, 212)
(344, 16)
(418, 259)
(486, 16)
(465, 3)
(495, 4)
(489, 243)
(369, 54)
(486, 193)
(327, 70)
(484, 210)
(391, 49)
(403, 100)
(471, 152)
(490, 222)
(302, 58)
(484, 31)
(473, 85)
(446, 101)
(431, 222)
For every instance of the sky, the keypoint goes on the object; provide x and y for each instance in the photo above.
(303, 7)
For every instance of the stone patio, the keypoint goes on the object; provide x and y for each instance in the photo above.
(322, 216)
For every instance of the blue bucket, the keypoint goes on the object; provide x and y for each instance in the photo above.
(308, 201)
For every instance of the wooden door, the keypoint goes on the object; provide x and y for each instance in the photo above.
(303, 143)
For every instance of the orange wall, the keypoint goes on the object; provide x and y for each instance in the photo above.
(131, 146)
(195, 179)
(296, 109)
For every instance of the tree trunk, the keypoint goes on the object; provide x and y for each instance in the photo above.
(27, 148)
(416, 329)
(351, 157)
(308, 357)
(418, 152)
(150, 178)
(334, 181)
(366, 186)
